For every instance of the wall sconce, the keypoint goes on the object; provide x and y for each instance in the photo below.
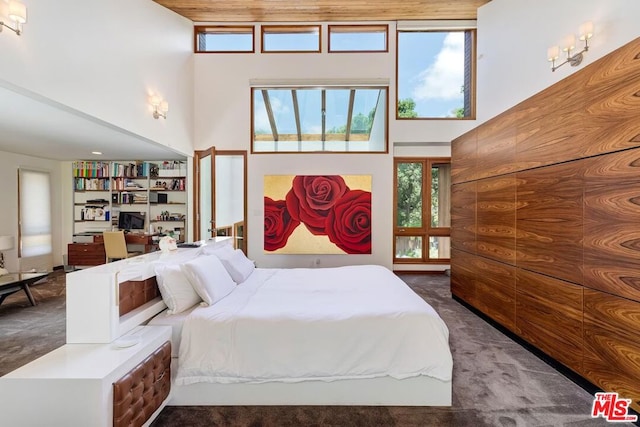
(160, 107)
(586, 32)
(6, 244)
(12, 11)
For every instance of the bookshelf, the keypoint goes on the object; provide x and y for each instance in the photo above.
(157, 189)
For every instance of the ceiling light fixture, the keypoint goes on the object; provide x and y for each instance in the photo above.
(12, 11)
(97, 153)
(586, 32)
(160, 107)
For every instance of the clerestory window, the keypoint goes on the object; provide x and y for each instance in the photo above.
(358, 38)
(290, 38)
(224, 39)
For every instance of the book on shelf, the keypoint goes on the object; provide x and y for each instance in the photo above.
(131, 169)
(172, 168)
(90, 169)
(130, 198)
(82, 184)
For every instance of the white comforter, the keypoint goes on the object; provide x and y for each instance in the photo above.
(325, 324)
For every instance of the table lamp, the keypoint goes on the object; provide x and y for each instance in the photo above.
(6, 243)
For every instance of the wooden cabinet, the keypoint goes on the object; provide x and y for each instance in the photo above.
(549, 316)
(85, 254)
(545, 214)
(611, 344)
(91, 254)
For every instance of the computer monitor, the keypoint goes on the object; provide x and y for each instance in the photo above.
(131, 221)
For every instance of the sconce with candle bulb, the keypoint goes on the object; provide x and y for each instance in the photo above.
(569, 44)
(160, 107)
(14, 11)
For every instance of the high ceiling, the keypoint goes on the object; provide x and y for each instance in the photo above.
(322, 10)
(38, 127)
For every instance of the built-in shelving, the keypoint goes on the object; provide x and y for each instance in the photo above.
(104, 189)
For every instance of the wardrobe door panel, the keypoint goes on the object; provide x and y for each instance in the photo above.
(611, 346)
(549, 316)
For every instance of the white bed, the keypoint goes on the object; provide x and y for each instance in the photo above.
(353, 335)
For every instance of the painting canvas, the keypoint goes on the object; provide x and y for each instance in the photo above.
(317, 214)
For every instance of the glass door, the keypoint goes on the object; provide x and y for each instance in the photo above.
(221, 195)
(203, 197)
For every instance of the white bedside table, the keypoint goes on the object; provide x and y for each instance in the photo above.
(73, 385)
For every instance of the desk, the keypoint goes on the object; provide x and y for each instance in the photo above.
(88, 254)
(145, 240)
(14, 282)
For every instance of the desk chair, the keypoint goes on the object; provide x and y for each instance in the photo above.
(115, 246)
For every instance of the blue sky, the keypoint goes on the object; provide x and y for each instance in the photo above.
(431, 71)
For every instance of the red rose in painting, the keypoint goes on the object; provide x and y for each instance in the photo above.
(278, 224)
(349, 222)
(312, 197)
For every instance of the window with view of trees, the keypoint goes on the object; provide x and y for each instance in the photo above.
(340, 119)
(435, 74)
(421, 218)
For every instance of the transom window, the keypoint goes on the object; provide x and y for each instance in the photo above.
(291, 38)
(224, 39)
(435, 74)
(358, 38)
(344, 119)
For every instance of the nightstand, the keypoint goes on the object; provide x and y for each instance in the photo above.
(74, 384)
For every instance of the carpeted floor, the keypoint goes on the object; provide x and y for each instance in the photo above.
(496, 382)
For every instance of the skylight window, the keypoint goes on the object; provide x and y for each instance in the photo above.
(344, 119)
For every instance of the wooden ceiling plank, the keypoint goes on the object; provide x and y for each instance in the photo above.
(321, 10)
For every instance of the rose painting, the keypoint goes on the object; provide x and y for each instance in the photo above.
(317, 214)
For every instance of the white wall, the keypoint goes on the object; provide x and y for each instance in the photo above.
(514, 35)
(9, 164)
(104, 58)
(223, 116)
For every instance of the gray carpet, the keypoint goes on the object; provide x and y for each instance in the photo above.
(496, 382)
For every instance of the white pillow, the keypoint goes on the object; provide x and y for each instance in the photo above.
(209, 278)
(237, 264)
(219, 250)
(175, 288)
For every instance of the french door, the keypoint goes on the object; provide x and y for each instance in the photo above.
(220, 195)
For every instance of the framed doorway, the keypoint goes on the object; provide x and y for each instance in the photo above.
(220, 195)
